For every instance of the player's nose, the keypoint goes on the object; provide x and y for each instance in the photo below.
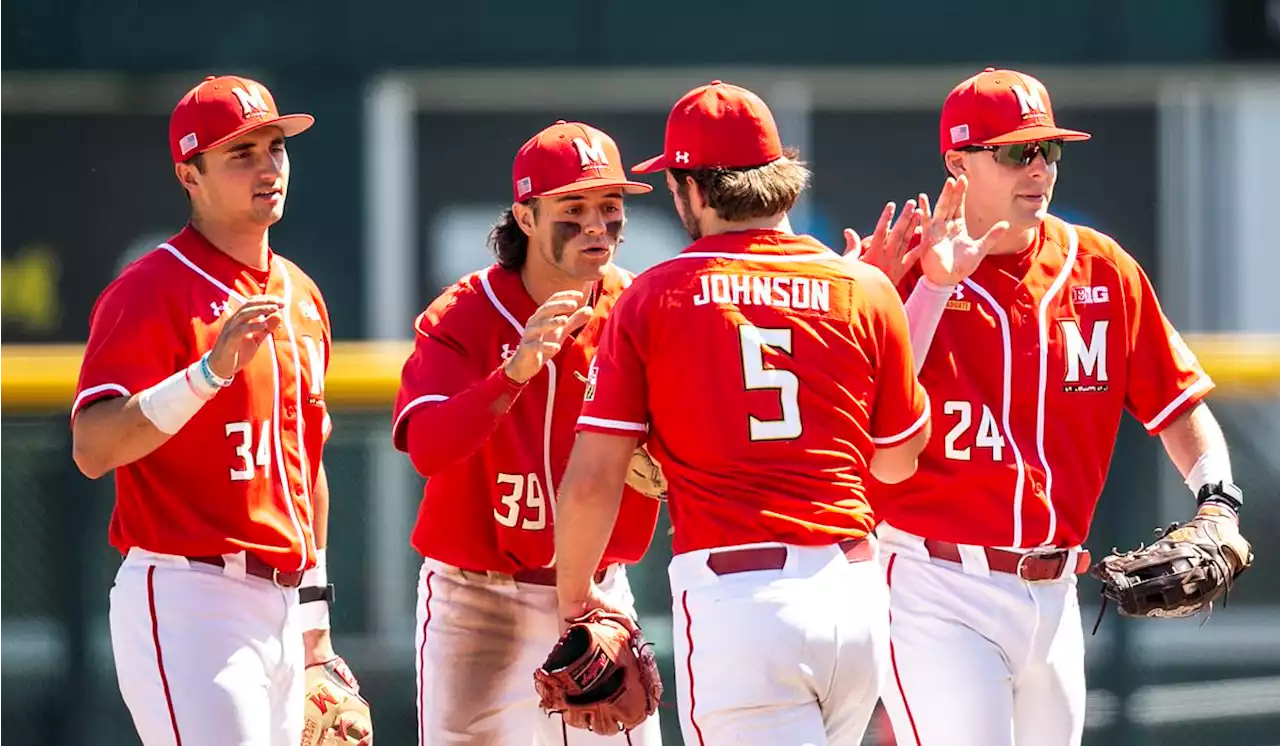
(593, 222)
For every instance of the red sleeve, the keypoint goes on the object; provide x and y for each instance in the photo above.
(616, 400)
(1165, 379)
(901, 406)
(133, 341)
(448, 403)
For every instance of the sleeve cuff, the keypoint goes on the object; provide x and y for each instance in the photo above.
(893, 440)
(612, 427)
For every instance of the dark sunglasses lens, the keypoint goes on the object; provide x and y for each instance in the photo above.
(1022, 154)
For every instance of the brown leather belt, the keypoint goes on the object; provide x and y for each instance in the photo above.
(1035, 566)
(774, 558)
(258, 569)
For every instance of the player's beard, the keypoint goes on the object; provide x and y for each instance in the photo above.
(686, 216)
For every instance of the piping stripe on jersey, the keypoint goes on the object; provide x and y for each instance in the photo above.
(893, 657)
(121, 390)
(424, 399)
(764, 258)
(297, 391)
(551, 395)
(638, 427)
(275, 396)
(422, 667)
(1073, 242)
(155, 639)
(688, 663)
(1200, 384)
(912, 430)
(1005, 404)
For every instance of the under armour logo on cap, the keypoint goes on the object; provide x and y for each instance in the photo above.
(682, 156)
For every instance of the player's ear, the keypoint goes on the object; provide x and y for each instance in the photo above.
(187, 175)
(954, 162)
(524, 215)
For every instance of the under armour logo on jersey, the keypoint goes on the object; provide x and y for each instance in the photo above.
(507, 352)
(308, 310)
(591, 154)
(682, 156)
(219, 309)
(1030, 101)
(251, 100)
(957, 301)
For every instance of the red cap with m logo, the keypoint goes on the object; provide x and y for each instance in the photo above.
(221, 109)
(1000, 107)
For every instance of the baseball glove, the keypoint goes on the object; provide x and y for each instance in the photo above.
(335, 713)
(1187, 568)
(644, 475)
(600, 676)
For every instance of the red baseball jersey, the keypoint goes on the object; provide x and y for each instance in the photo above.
(764, 370)
(239, 475)
(1035, 359)
(493, 509)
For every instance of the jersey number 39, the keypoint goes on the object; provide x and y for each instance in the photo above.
(754, 341)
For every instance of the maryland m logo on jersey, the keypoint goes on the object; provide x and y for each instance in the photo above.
(1086, 358)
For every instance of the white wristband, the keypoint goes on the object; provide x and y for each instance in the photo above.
(315, 614)
(171, 403)
(317, 576)
(1213, 466)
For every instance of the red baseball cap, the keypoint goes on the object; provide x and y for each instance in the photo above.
(221, 109)
(719, 126)
(1000, 107)
(569, 157)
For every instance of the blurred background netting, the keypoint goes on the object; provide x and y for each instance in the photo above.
(420, 108)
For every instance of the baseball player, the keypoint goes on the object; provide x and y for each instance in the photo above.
(202, 387)
(769, 377)
(486, 411)
(1032, 349)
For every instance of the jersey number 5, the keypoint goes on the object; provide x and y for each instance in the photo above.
(754, 341)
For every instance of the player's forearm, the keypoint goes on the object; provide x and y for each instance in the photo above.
(924, 308)
(440, 434)
(587, 509)
(320, 509)
(1198, 449)
(111, 433)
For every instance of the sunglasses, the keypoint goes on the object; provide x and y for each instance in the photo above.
(1023, 153)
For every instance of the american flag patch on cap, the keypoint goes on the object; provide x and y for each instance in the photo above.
(188, 143)
(959, 133)
(524, 186)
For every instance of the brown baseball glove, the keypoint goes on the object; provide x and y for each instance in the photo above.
(644, 475)
(335, 714)
(1188, 568)
(600, 676)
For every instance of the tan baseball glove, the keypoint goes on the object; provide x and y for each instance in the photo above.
(335, 713)
(644, 475)
(600, 676)
(1188, 568)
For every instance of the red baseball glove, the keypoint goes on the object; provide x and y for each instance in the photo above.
(600, 676)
